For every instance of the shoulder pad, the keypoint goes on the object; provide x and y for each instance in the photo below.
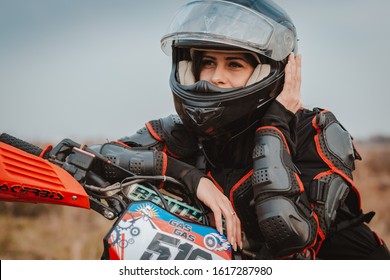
(171, 131)
(142, 138)
(334, 143)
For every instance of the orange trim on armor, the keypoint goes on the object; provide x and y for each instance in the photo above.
(237, 185)
(170, 153)
(159, 139)
(165, 149)
(333, 168)
(379, 239)
(165, 164)
(164, 169)
(318, 224)
(322, 174)
(121, 144)
(153, 133)
(320, 235)
(277, 130)
(215, 182)
(312, 253)
(301, 187)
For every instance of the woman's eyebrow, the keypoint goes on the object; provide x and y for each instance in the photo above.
(236, 57)
(209, 57)
(243, 58)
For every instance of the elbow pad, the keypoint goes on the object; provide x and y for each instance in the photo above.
(330, 189)
(138, 162)
(148, 163)
(284, 214)
(328, 193)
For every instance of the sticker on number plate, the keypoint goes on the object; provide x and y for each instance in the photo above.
(148, 232)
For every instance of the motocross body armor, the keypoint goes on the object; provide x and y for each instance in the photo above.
(287, 196)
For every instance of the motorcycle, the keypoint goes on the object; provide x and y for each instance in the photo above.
(150, 223)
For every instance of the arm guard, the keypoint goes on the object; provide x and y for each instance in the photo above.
(146, 162)
(139, 162)
(284, 215)
(328, 193)
(169, 137)
(334, 187)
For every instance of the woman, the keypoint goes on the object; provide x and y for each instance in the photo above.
(234, 70)
(280, 175)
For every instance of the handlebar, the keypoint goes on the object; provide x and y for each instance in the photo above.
(78, 161)
(20, 144)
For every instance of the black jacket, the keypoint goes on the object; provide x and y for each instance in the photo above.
(229, 163)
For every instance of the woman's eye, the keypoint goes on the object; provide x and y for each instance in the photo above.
(208, 63)
(235, 64)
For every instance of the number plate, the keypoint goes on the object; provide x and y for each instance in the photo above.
(148, 232)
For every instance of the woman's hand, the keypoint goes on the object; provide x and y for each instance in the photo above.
(209, 194)
(290, 97)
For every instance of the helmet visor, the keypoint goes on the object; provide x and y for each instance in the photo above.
(231, 24)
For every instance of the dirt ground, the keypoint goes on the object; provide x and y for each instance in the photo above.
(30, 231)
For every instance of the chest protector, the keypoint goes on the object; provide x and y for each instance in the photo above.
(300, 200)
(287, 204)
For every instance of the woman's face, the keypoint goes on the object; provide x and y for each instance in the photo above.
(225, 69)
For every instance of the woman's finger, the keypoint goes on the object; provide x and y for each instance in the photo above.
(230, 222)
(287, 78)
(293, 67)
(238, 231)
(217, 218)
(298, 76)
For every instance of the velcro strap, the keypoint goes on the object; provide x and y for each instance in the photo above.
(363, 218)
(318, 192)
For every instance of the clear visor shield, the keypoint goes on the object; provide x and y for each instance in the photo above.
(231, 24)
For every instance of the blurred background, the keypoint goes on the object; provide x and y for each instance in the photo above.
(93, 70)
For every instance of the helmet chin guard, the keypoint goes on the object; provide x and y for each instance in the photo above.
(212, 112)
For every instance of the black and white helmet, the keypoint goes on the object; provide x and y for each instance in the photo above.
(257, 26)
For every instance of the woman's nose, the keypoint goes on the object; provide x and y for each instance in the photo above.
(219, 77)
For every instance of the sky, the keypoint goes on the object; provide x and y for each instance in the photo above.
(93, 69)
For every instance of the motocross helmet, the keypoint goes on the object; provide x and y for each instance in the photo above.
(257, 26)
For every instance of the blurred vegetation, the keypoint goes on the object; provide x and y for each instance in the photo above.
(39, 231)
